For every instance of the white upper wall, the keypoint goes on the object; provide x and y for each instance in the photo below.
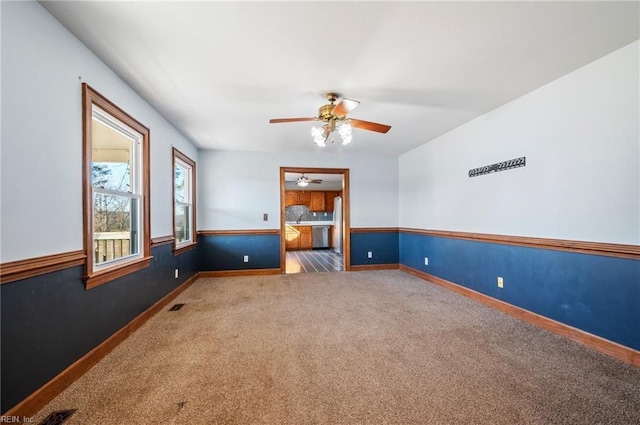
(236, 188)
(43, 66)
(581, 138)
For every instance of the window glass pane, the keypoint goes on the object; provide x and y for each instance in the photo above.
(109, 175)
(115, 227)
(111, 156)
(183, 223)
(181, 184)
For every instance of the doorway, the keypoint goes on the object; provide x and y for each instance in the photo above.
(289, 229)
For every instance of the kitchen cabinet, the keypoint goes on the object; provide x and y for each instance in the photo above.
(290, 198)
(298, 237)
(304, 197)
(331, 237)
(306, 237)
(292, 238)
(296, 197)
(317, 201)
(329, 196)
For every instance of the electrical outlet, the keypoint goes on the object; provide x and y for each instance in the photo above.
(500, 282)
(426, 261)
(246, 258)
(176, 274)
(265, 217)
(369, 254)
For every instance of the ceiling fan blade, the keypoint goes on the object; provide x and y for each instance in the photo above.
(344, 107)
(315, 181)
(368, 125)
(279, 120)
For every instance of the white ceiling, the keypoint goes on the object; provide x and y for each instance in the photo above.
(220, 70)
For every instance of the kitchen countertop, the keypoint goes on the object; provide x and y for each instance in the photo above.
(310, 223)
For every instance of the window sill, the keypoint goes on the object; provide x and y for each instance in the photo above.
(107, 276)
(184, 248)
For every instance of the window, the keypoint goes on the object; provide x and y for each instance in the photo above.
(184, 200)
(116, 191)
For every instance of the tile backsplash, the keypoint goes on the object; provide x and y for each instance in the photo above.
(302, 213)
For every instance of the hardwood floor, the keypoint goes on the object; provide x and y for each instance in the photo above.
(313, 261)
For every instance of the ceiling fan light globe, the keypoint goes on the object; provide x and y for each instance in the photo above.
(345, 130)
(346, 140)
(318, 134)
(303, 183)
(319, 141)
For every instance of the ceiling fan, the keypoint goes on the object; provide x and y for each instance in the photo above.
(335, 118)
(304, 181)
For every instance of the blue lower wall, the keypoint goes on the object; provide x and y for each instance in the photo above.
(50, 321)
(226, 252)
(383, 246)
(597, 294)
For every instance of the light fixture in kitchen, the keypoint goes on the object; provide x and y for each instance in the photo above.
(303, 181)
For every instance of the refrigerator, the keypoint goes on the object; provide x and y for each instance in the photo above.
(337, 223)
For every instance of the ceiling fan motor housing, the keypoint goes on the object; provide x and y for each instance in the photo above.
(325, 112)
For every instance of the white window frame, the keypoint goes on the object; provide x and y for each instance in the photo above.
(136, 186)
(186, 163)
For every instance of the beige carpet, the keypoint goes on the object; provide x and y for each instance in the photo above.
(346, 348)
